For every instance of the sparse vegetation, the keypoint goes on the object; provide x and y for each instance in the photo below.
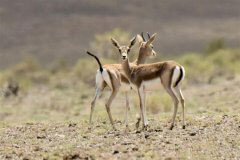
(49, 116)
(215, 45)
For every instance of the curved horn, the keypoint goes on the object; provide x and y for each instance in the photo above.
(149, 36)
(151, 39)
(143, 37)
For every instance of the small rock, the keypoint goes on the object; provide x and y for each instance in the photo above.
(16, 146)
(29, 123)
(146, 136)
(117, 134)
(70, 157)
(158, 130)
(116, 152)
(37, 148)
(138, 132)
(126, 143)
(8, 157)
(72, 125)
(126, 151)
(41, 137)
(192, 133)
(224, 116)
(60, 135)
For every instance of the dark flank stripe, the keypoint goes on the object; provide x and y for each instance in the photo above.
(180, 77)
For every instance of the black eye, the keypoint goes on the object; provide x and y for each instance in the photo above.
(128, 50)
(119, 50)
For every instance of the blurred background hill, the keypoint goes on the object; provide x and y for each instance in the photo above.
(60, 29)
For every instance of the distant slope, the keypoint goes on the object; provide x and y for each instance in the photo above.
(63, 29)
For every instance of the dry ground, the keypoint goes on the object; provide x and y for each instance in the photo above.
(48, 123)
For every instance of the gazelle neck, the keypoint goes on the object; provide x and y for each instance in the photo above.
(141, 57)
(126, 68)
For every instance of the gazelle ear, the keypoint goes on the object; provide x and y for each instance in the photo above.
(132, 42)
(151, 39)
(139, 40)
(115, 43)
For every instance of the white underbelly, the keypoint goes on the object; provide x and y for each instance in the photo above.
(152, 85)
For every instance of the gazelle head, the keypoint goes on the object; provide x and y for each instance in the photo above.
(146, 47)
(123, 50)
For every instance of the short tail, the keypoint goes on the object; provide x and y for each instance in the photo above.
(98, 61)
(181, 76)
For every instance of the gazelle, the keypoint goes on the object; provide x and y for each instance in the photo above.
(170, 73)
(112, 75)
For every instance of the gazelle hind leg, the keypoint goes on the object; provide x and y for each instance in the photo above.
(180, 95)
(108, 105)
(139, 117)
(144, 103)
(99, 90)
(175, 100)
(142, 107)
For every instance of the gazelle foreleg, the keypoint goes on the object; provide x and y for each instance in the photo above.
(142, 106)
(127, 109)
(126, 112)
(139, 118)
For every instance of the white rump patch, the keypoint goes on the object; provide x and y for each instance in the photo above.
(176, 74)
(106, 77)
(99, 79)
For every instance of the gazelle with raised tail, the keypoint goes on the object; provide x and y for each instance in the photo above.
(112, 75)
(170, 73)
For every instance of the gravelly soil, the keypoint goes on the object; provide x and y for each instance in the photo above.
(205, 137)
(36, 130)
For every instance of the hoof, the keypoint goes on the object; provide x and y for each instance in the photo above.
(89, 128)
(183, 127)
(171, 127)
(137, 125)
(138, 122)
(127, 130)
(145, 128)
